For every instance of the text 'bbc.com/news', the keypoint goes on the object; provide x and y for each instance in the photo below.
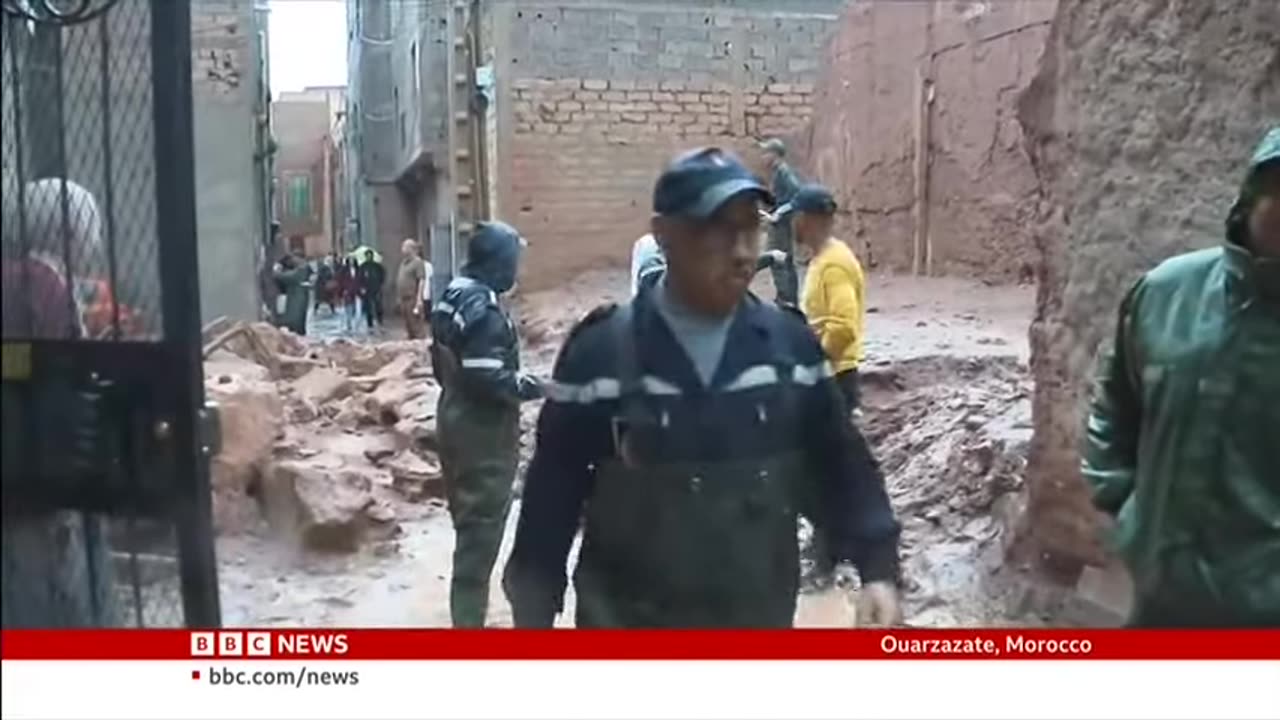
(267, 645)
(299, 678)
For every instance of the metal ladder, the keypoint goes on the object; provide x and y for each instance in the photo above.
(463, 168)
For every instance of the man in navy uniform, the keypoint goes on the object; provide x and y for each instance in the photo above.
(685, 431)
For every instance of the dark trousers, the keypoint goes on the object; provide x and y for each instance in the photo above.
(847, 381)
(372, 307)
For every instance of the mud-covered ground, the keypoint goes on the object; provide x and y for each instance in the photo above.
(947, 410)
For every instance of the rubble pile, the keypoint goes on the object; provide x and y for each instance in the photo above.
(328, 445)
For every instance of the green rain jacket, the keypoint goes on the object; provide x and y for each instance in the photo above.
(1183, 441)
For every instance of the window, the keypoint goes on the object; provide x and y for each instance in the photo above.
(395, 101)
(297, 197)
(413, 60)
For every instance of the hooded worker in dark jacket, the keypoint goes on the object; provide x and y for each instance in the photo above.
(1181, 440)
(476, 357)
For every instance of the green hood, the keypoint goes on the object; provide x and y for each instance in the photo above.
(1237, 220)
(1263, 273)
(1268, 149)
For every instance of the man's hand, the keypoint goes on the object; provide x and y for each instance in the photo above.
(777, 258)
(879, 605)
(844, 576)
(529, 388)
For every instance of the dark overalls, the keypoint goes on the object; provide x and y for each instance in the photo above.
(690, 543)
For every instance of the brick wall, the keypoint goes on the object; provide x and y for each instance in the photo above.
(597, 96)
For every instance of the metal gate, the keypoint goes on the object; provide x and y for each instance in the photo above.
(106, 437)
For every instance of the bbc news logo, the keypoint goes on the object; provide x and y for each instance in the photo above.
(230, 644)
(266, 644)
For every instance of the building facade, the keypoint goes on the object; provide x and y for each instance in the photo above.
(304, 122)
(395, 123)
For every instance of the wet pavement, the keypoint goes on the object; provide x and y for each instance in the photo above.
(324, 323)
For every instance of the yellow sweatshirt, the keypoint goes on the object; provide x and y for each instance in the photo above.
(834, 300)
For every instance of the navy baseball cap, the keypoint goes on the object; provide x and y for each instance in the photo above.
(814, 199)
(697, 183)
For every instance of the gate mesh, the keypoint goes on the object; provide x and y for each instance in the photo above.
(80, 241)
(81, 262)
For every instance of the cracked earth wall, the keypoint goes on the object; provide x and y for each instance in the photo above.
(975, 200)
(1138, 123)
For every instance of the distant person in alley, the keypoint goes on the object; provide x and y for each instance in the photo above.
(685, 431)
(1181, 443)
(372, 277)
(784, 184)
(476, 357)
(834, 295)
(410, 278)
(292, 276)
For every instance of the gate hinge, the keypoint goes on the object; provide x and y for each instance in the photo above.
(209, 429)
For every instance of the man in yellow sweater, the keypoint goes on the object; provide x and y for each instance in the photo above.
(834, 294)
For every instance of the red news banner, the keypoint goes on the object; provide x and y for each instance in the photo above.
(906, 644)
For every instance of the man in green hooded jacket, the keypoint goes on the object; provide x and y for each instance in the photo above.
(1183, 442)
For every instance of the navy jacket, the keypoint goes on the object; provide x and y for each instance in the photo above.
(469, 321)
(575, 433)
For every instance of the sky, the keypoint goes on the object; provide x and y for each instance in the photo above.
(308, 44)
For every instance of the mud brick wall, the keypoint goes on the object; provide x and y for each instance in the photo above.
(906, 81)
(1139, 133)
(597, 96)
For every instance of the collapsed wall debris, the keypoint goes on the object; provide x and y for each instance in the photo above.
(322, 440)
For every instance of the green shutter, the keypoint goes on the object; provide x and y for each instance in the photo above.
(298, 197)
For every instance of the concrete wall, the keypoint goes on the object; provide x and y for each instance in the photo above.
(1140, 122)
(909, 80)
(224, 65)
(594, 97)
